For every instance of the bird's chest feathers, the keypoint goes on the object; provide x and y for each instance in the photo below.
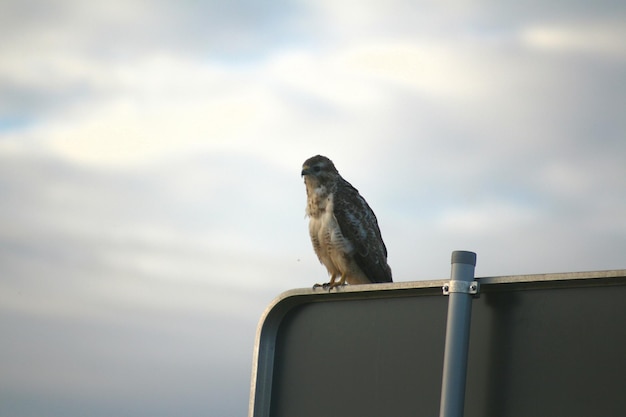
(319, 201)
(323, 227)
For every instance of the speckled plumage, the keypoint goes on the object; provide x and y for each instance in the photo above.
(343, 228)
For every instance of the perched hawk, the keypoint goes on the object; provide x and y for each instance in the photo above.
(343, 228)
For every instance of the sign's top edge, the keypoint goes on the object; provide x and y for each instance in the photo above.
(438, 283)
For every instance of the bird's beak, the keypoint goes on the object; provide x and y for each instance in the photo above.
(305, 171)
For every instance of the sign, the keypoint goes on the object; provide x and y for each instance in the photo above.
(540, 345)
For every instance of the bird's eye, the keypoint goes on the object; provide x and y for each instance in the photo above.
(317, 168)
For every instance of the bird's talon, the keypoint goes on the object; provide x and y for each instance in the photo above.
(328, 286)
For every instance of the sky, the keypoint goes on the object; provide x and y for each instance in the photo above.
(150, 155)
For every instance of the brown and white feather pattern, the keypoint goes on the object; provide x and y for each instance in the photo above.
(343, 228)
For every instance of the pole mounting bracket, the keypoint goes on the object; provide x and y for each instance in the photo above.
(461, 287)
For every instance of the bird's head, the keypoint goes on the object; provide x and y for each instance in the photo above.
(319, 170)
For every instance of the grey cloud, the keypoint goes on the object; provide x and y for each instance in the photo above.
(118, 337)
(56, 54)
(95, 368)
(120, 29)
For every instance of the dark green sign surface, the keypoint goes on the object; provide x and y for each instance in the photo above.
(540, 345)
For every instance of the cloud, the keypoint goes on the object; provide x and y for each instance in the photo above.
(597, 37)
(121, 29)
(102, 269)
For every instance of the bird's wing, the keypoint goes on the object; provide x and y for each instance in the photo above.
(359, 225)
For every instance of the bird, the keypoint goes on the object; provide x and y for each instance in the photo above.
(343, 228)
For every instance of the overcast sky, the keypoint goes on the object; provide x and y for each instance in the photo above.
(150, 154)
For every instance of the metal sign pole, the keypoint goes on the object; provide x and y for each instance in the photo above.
(460, 289)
